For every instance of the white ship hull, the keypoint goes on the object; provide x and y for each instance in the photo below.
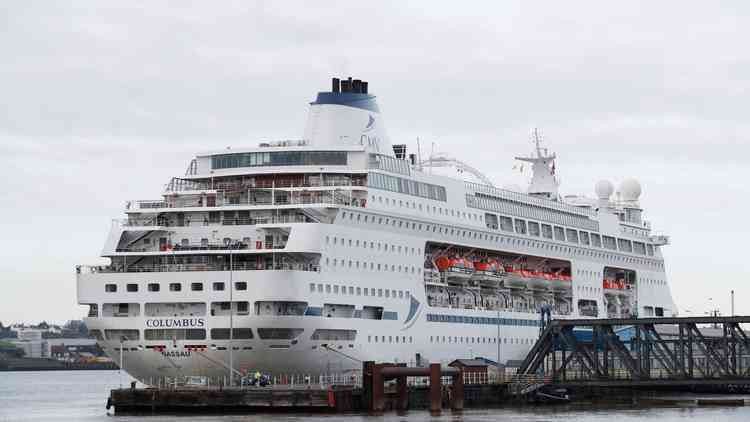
(332, 243)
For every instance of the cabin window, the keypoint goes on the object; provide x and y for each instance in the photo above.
(153, 287)
(547, 231)
(175, 287)
(110, 288)
(196, 287)
(218, 286)
(132, 287)
(520, 226)
(240, 285)
(559, 233)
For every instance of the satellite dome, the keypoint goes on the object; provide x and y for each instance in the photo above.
(630, 190)
(604, 189)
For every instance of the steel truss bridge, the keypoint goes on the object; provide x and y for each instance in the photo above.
(642, 352)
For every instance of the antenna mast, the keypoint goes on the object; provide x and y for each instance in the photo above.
(419, 155)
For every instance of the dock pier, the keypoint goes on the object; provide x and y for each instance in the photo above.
(644, 360)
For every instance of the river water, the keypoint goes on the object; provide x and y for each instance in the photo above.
(82, 395)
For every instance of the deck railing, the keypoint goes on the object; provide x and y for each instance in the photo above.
(162, 222)
(195, 267)
(337, 198)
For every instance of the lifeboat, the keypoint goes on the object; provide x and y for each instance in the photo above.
(513, 278)
(456, 270)
(614, 287)
(536, 280)
(487, 273)
(559, 283)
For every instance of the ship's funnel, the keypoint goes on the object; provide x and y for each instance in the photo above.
(347, 116)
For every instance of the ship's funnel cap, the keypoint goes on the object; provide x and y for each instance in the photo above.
(348, 115)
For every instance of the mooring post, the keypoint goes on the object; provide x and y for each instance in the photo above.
(457, 398)
(367, 369)
(402, 393)
(378, 388)
(435, 388)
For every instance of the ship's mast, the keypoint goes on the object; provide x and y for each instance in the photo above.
(543, 182)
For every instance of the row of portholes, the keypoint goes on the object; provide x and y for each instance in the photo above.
(356, 243)
(461, 233)
(363, 265)
(336, 289)
(429, 209)
(174, 287)
(480, 340)
(654, 282)
(390, 339)
(589, 273)
(588, 289)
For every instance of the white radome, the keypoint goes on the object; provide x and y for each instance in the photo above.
(630, 190)
(604, 189)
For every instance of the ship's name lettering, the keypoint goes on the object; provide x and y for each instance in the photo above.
(176, 323)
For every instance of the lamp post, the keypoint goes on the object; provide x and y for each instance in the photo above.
(119, 370)
(231, 319)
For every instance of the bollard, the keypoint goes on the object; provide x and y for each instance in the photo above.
(378, 388)
(457, 398)
(435, 389)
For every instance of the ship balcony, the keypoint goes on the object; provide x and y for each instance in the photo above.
(253, 197)
(152, 268)
(162, 222)
(205, 247)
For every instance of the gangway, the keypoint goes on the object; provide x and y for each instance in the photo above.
(633, 352)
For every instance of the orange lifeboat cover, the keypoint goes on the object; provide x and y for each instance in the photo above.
(443, 263)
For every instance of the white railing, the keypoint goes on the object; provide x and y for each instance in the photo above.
(86, 269)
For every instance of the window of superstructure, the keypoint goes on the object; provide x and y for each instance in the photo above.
(571, 235)
(624, 245)
(650, 249)
(547, 231)
(520, 226)
(609, 242)
(559, 233)
(153, 287)
(584, 238)
(596, 240)
(132, 287)
(534, 228)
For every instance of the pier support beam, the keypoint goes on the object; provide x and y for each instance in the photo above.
(457, 392)
(402, 394)
(435, 389)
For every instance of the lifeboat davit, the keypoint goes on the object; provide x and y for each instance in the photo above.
(487, 273)
(559, 283)
(456, 270)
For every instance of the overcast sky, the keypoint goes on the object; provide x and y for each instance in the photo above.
(100, 104)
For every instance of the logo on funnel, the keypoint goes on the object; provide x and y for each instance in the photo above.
(370, 123)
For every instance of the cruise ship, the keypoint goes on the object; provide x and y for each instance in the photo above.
(313, 255)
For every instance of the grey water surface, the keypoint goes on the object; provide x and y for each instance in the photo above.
(82, 395)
